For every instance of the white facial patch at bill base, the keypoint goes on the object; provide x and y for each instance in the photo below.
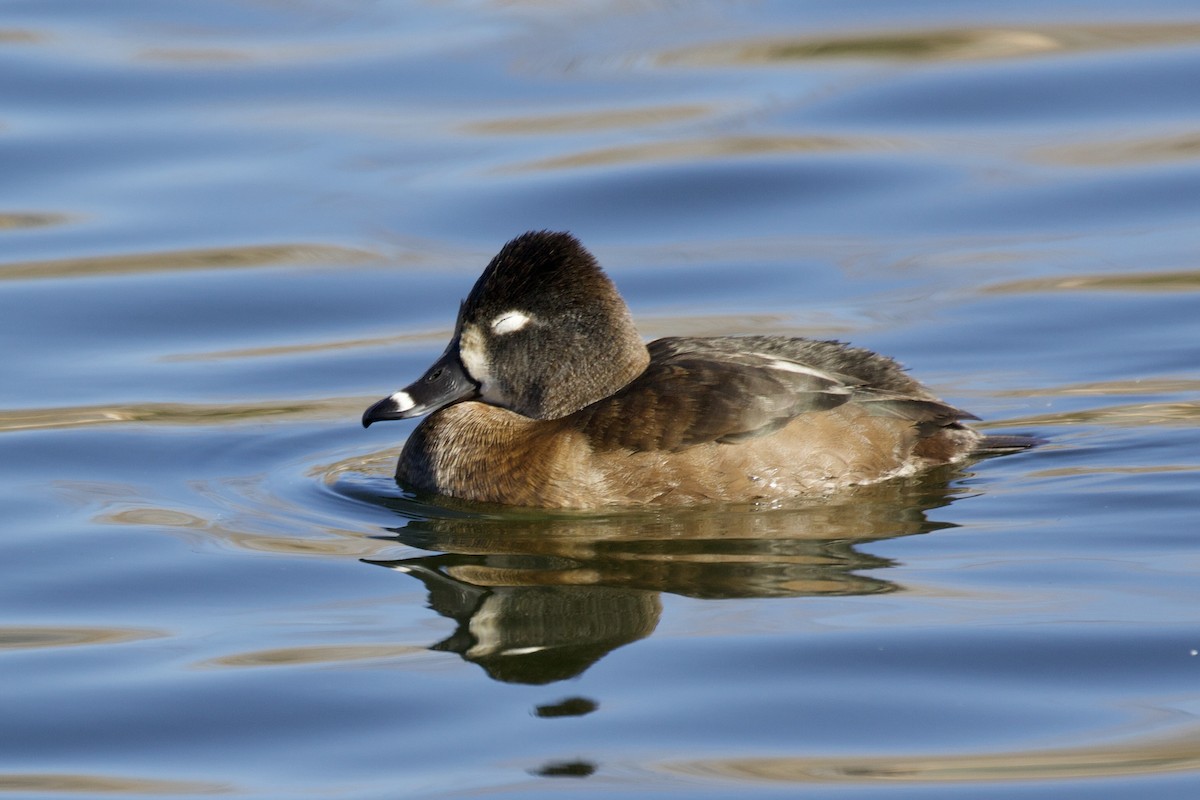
(473, 354)
(403, 401)
(510, 321)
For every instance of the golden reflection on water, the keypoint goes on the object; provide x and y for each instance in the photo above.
(1179, 752)
(179, 260)
(245, 513)
(348, 408)
(1185, 413)
(325, 654)
(18, 36)
(1068, 472)
(587, 121)
(310, 540)
(690, 149)
(1162, 281)
(263, 54)
(936, 45)
(1107, 388)
(31, 220)
(423, 338)
(113, 785)
(333, 542)
(1181, 147)
(1122, 416)
(240, 521)
(37, 637)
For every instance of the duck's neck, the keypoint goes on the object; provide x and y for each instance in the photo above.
(607, 375)
(635, 358)
(472, 451)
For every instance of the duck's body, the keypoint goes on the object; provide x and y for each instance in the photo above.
(546, 397)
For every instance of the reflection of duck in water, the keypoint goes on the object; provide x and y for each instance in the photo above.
(546, 396)
(540, 599)
(529, 633)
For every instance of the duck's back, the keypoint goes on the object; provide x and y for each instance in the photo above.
(733, 389)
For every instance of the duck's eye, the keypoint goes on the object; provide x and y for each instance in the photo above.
(510, 321)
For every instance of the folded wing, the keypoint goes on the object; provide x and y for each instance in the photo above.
(730, 389)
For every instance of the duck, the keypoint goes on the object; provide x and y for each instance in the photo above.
(547, 397)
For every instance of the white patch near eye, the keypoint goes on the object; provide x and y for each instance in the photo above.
(510, 321)
(403, 401)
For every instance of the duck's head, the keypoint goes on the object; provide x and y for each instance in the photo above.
(543, 333)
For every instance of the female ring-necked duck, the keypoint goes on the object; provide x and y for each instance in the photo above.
(546, 396)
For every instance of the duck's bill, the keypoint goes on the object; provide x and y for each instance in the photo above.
(444, 383)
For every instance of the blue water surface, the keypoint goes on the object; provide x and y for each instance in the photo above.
(227, 227)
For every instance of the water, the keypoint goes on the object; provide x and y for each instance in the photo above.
(227, 227)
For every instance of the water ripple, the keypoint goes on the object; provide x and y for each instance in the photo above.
(934, 45)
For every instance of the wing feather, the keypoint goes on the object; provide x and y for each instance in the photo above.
(730, 389)
(691, 394)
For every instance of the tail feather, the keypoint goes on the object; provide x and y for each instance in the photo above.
(1007, 443)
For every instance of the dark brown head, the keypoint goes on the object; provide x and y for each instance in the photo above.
(543, 333)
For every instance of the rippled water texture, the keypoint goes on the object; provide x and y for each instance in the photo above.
(226, 227)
